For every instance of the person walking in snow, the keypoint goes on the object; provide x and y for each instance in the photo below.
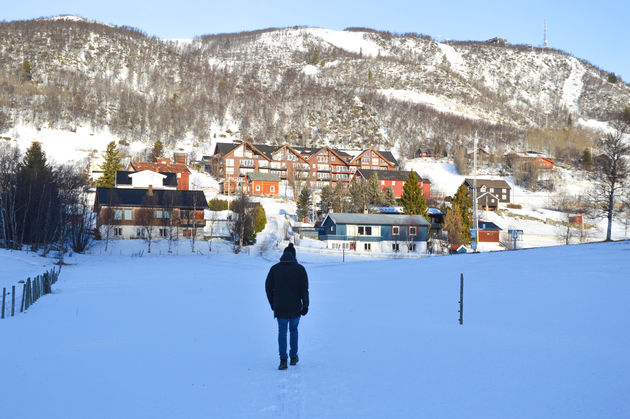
(287, 292)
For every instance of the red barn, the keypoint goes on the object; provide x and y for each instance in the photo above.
(394, 178)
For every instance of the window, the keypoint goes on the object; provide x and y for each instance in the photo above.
(332, 158)
(367, 246)
(393, 183)
(163, 232)
(332, 228)
(248, 163)
(118, 214)
(162, 214)
(257, 188)
(117, 231)
(483, 188)
(382, 183)
(395, 230)
(322, 159)
(365, 230)
(185, 214)
(504, 197)
(411, 247)
(128, 214)
(187, 232)
(291, 157)
(140, 232)
(365, 159)
(229, 162)
(272, 188)
(412, 231)
(395, 247)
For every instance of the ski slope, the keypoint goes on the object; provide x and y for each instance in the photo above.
(188, 335)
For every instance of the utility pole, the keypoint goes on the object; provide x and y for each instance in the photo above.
(474, 232)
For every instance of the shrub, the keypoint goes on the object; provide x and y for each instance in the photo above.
(218, 204)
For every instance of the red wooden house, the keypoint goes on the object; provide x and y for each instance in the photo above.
(394, 178)
(488, 232)
(263, 184)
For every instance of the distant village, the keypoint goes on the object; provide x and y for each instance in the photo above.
(159, 194)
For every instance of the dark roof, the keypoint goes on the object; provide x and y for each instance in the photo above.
(122, 178)
(224, 148)
(489, 183)
(390, 174)
(377, 219)
(389, 156)
(123, 197)
(487, 225)
(269, 177)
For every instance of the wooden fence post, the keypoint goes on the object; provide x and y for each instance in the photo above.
(4, 294)
(23, 298)
(28, 293)
(12, 300)
(461, 299)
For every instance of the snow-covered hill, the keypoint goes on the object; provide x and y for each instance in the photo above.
(307, 85)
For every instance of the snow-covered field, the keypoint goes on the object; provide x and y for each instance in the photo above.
(192, 336)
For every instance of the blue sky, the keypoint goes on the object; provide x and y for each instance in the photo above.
(598, 32)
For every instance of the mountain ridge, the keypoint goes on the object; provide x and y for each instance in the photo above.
(304, 85)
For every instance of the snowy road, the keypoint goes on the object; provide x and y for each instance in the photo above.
(544, 336)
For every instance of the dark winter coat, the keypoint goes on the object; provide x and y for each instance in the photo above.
(287, 286)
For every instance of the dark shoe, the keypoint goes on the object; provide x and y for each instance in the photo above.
(294, 360)
(283, 364)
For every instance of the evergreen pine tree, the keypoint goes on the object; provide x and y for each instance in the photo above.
(304, 203)
(28, 70)
(454, 225)
(340, 198)
(390, 198)
(109, 167)
(358, 196)
(463, 200)
(35, 193)
(326, 199)
(158, 150)
(413, 200)
(375, 195)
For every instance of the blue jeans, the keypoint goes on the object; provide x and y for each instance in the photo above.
(282, 337)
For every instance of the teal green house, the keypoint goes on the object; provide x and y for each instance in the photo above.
(381, 233)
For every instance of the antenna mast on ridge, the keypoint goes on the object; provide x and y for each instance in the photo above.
(545, 43)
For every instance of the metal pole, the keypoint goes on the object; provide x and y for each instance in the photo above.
(12, 300)
(461, 299)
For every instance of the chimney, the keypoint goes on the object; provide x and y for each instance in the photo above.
(150, 190)
(181, 158)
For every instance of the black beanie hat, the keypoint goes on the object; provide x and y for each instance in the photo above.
(290, 249)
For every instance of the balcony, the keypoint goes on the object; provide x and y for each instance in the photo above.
(245, 163)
